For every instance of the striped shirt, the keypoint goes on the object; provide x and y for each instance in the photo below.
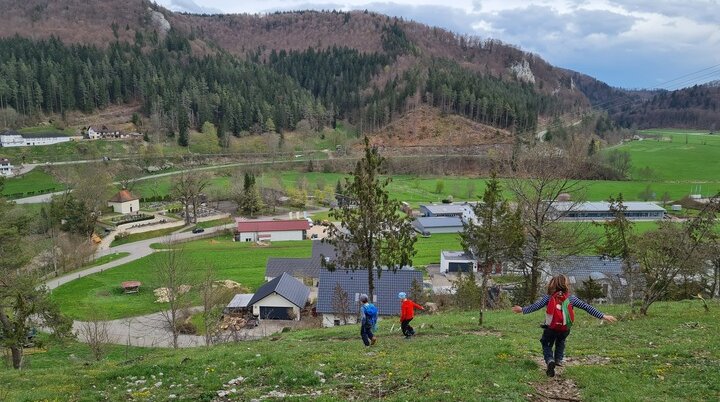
(576, 302)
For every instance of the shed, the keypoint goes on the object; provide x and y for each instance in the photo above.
(280, 299)
(239, 304)
(124, 202)
(131, 286)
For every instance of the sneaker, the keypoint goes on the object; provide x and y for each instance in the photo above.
(373, 341)
(559, 363)
(550, 369)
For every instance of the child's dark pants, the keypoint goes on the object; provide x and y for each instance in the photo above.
(407, 330)
(366, 333)
(549, 338)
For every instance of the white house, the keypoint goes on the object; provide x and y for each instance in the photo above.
(457, 261)
(15, 139)
(6, 168)
(124, 202)
(92, 134)
(249, 231)
(280, 299)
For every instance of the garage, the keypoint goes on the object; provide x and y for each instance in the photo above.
(282, 298)
(460, 267)
(275, 313)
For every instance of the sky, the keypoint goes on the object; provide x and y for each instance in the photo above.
(665, 44)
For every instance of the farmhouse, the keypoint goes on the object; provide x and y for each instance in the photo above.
(6, 168)
(439, 224)
(338, 308)
(271, 230)
(15, 139)
(461, 210)
(606, 271)
(280, 299)
(124, 202)
(590, 211)
(306, 270)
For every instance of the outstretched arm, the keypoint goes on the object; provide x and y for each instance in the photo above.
(417, 306)
(542, 302)
(577, 302)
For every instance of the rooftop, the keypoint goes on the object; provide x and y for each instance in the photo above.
(632, 206)
(355, 283)
(123, 196)
(240, 300)
(286, 286)
(439, 221)
(271, 226)
(458, 208)
(457, 255)
(579, 268)
(301, 267)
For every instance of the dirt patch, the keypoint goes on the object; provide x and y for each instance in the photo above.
(484, 332)
(555, 389)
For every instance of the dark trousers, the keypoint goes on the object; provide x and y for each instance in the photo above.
(557, 338)
(366, 333)
(407, 330)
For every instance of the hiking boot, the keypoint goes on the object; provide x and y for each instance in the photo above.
(550, 369)
(373, 341)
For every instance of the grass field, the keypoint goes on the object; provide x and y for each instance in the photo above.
(34, 181)
(101, 293)
(671, 355)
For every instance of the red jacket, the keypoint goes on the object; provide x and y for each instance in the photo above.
(407, 309)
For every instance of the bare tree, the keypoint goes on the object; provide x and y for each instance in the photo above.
(96, 334)
(186, 188)
(543, 178)
(172, 273)
(341, 303)
(673, 251)
(214, 297)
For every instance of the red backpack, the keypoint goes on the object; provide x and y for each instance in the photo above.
(559, 313)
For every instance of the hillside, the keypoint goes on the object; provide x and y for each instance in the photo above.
(670, 355)
(363, 67)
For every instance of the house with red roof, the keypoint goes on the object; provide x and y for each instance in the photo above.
(280, 230)
(124, 202)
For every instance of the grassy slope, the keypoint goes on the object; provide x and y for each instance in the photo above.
(131, 238)
(671, 355)
(35, 180)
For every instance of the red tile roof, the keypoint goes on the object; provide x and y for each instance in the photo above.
(246, 226)
(123, 196)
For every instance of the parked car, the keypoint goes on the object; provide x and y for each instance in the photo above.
(198, 230)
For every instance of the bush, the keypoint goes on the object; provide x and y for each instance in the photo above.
(187, 328)
(467, 292)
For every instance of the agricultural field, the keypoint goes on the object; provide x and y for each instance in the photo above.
(670, 355)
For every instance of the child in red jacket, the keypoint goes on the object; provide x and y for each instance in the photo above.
(407, 313)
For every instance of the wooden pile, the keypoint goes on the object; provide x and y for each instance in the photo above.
(233, 323)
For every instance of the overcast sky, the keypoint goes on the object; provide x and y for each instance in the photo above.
(631, 44)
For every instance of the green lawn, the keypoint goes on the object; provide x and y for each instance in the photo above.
(671, 355)
(36, 181)
(66, 151)
(100, 293)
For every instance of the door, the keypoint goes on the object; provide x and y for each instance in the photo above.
(460, 267)
(275, 313)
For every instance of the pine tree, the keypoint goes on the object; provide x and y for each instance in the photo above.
(372, 235)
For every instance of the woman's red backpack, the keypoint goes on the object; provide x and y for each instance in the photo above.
(559, 315)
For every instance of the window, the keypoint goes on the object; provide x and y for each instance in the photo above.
(336, 323)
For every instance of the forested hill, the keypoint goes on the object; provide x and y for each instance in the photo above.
(253, 74)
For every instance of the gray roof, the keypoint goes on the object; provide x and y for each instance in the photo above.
(579, 268)
(301, 267)
(387, 287)
(458, 209)
(286, 286)
(438, 222)
(240, 300)
(457, 256)
(603, 206)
